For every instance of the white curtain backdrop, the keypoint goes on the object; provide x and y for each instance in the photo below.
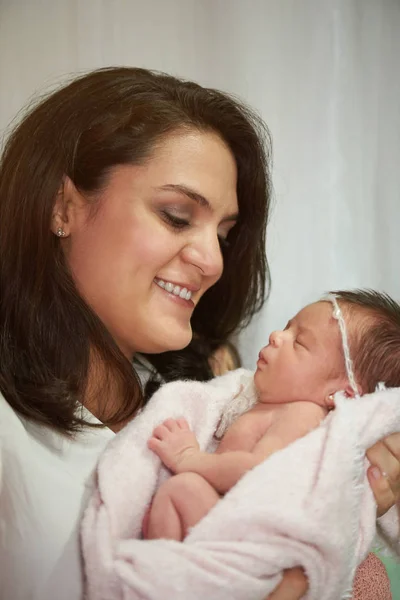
(325, 76)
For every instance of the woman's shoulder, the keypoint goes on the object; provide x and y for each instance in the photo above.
(44, 483)
(7, 415)
(37, 461)
(12, 431)
(21, 436)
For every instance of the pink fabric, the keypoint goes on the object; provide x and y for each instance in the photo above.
(371, 581)
(309, 504)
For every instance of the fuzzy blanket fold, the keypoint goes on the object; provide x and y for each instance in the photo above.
(309, 504)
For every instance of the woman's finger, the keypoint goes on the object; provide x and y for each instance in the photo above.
(292, 587)
(384, 473)
(393, 443)
(384, 456)
(384, 495)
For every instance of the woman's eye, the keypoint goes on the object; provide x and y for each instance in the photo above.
(223, 242)
(174, 221)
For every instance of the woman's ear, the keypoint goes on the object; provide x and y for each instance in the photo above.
(67, 208)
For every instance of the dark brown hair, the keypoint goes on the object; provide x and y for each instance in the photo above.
(373, 320)
(111, 117)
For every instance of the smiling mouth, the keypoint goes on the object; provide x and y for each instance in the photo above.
(176, 290)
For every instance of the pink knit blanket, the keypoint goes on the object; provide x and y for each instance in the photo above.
(309, 504)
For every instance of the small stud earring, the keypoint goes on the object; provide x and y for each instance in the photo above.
(331, 401)
(60, 232)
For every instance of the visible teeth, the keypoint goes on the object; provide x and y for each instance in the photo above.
(174, 289)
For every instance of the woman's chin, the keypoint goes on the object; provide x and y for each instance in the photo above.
(169, 343)
(179, 343)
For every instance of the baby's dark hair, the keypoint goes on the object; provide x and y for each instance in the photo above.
(373, 323)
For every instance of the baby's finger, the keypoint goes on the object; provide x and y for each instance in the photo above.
(171, 424)
(183, 424)
(160, 432)
(154, 444)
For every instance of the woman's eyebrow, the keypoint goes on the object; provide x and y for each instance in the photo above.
(196, 197)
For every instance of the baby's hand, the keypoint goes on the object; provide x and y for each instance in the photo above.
(173, 442)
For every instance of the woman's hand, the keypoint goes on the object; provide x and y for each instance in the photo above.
(384, 478)
(292, 587)
(384, 472)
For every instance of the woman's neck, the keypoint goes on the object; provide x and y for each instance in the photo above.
(103, 395)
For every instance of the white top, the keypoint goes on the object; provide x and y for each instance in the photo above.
(45, 480)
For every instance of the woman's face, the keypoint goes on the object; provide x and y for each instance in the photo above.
(152, 249)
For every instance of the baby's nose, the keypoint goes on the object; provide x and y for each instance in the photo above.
(274, 338)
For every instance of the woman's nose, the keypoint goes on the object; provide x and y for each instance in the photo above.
(205, 253)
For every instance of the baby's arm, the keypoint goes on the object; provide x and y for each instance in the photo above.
(292, 421)
(176, 445)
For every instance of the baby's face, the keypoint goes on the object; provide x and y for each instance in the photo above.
(304, 361)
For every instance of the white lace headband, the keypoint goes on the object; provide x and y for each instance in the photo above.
(338, 315)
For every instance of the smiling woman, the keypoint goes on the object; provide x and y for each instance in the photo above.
(152, 179)
(151, 227)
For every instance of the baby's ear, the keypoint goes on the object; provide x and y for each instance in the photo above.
(348, 390)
